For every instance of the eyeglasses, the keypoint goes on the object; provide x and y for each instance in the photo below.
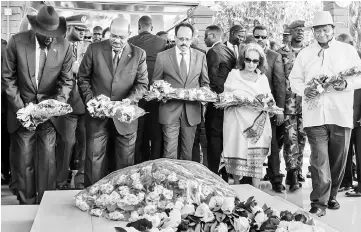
(87, 37)
(260, 36)
(248, 60)
(184, 39)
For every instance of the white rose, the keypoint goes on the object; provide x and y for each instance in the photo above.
(256, 209)
(241, 224)
(119, 180)
(260, 218)
(162, 204)
(168, 194)
(155, 220)
(206, 190)
(134, 216)
(107, 188)
(204, 212)
(150, 209)
(135, 176)
(228, 205)
(114, 197)
(131, 199)
(116, 215)
(215, 202)
(172, 177)
(159, 176)
(153, 196)
(123, 190)
(222, 227)
(93, 190)
(158, 189)
(102, 200)
(188, 209)
(180, 199)
(140, 196)
(182, 184)
(170, 205)
(137, 185)
(174, 219)
(96, 212)
(82, 205)
(178, 205)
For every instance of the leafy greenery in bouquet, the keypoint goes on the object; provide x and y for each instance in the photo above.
(323, 83)
(102, 107)
(262, 102)
(162, 90)
(34, 114)
(173, 195)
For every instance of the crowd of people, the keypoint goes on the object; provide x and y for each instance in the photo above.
(61, 59)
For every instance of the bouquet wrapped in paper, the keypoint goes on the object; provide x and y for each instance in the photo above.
(34, 114)
(101, 106)
(262, 102)
(324, 83)
(162, 90)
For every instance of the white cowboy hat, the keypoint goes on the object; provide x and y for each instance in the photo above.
(321, 18)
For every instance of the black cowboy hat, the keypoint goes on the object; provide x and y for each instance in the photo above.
(48, 23)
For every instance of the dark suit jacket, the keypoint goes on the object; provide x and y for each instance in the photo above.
(152, 45)
(276, 77)
(220, 61)
(167, 68)
(130, 79)
(357, 107)
(18, 78)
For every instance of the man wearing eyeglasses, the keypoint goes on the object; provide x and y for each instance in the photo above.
(327, 123)
(182, 67)
(276, 79)
(71, 128)
(97, 34)
(237, 36)
(294, 135)
(117, 70)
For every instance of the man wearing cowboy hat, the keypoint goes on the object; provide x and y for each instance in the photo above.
(117, 70)
(294, 135)
(37, 67)
(327, 123)
(71, 127)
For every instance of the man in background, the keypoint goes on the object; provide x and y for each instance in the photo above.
(71, 127)
(237, 36)
(294, 136)
(220, 61)
(97, 34)
(149, 144)
(286, 36)
(276, 78)
(88, 36)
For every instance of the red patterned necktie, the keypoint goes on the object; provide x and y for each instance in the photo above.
(42, 60)
(183, 66)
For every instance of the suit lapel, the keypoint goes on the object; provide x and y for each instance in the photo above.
(173, 59)
(191, 64)
(30, 56)
(124, 59)
(107, 53)
(50, 60)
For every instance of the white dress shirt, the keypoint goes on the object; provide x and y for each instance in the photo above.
(37, 57)
(334, 107)
(187, 56)
(234, 48)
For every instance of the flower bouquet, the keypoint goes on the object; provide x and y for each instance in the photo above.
(162, 90)
(324, 83)
(101, 106)
(172, 195)
(262, 102)
(33, 114)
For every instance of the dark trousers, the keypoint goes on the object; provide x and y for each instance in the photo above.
(354, 149)
(5, 147)
(97, 141)
(70, 144)
(171, 133)
(329, 147)
(214, 132)
(34, 156)
(274, 161)
(196, 150)
(149, 144)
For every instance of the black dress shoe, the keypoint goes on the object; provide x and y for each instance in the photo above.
(301, 178)
(333, 203)
(278, 187)
(318, 211)
(292, 180)
(266, 178)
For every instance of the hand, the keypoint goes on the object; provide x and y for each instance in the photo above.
(340, 86)
(311, 93)
(279, 118)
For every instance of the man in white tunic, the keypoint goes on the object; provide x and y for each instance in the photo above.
(328, 124)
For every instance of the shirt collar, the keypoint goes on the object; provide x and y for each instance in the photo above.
(178, 51)
(216, 43)
(330, 43)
